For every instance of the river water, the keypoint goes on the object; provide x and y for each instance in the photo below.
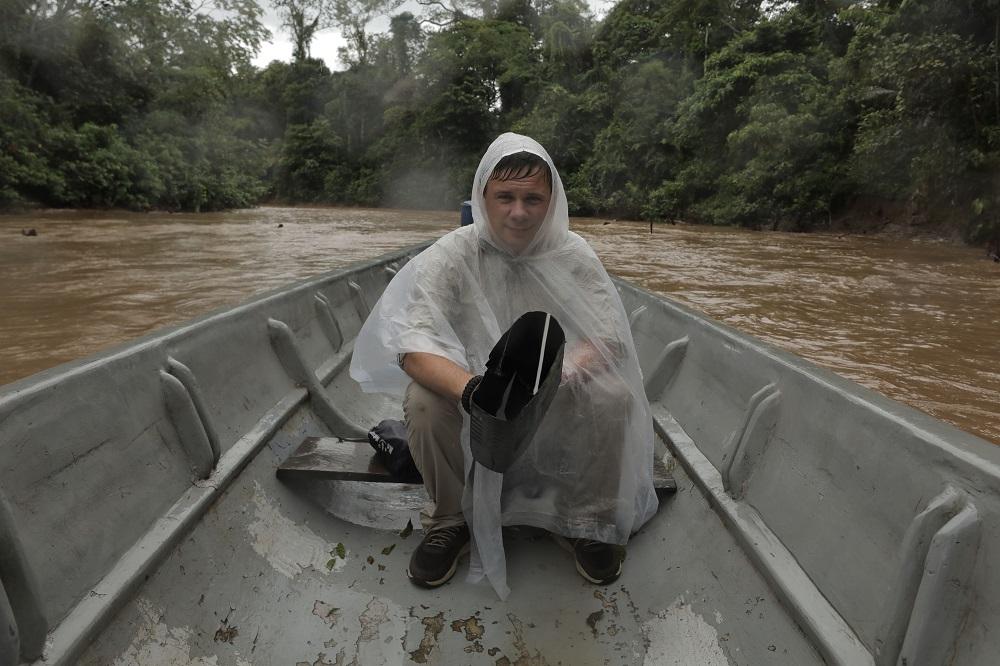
(915, 320)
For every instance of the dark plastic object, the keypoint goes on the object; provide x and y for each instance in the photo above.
(466, 213)
(505, 414)
(392, 449)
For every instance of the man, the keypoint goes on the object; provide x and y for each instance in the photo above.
(587, 474)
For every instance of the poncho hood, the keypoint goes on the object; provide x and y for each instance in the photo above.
(554, 231)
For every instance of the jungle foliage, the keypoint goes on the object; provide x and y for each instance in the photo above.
(760, 113)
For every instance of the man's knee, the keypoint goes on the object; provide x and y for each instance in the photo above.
(613, 397)
(426, 411)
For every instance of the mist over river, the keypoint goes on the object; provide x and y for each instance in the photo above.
(915, 320)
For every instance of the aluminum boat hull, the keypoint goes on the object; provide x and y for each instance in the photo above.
(141, 521)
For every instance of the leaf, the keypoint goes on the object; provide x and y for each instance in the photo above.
(408, 530)
(341, 551)
(388, 549)
(331, 563)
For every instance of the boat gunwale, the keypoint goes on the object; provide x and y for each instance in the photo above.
(972, 450)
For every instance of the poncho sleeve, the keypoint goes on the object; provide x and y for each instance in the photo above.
(414, 314)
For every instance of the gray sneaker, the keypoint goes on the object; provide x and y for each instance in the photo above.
(435, 560)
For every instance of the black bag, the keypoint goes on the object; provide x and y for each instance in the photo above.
(506, 411)
(388, 439)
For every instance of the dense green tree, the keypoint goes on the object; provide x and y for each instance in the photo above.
(353, 18)
(400, 50)
(303, 19)
(127, 104)
(782, 114)
(692, 29)
(926, 80)
(763, 132)
(24, 168)
(635, 152)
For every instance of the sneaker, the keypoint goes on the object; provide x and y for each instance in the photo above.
(600, 563)
(435, 560)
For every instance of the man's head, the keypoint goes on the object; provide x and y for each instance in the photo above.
(517, 197)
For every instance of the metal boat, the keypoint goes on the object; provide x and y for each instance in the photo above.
(142, 521)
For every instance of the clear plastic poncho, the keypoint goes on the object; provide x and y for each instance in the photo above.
(588, 471)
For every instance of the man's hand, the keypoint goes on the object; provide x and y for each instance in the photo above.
(581, 362)
(437, 374)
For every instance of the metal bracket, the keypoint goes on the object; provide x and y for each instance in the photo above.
(665, 368)
(23, 626)
(187, 378)
(292, 359)
(358, 297)
(931, 589)
(667, 363)
(188, 424)
(634, 316)
(942, 602)
(328, 322)
(751, 439)
(10, 641)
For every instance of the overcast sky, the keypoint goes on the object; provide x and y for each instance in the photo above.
(326, 43)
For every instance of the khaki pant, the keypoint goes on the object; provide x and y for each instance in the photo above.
(434, 427)
(584, 483)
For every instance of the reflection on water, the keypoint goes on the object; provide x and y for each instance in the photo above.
(917, 321)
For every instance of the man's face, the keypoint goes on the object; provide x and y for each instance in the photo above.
(516, 208)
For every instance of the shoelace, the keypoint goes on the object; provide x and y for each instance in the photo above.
(443, 537)
(589, 544)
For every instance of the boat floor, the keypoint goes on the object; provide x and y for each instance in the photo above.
(260, 580)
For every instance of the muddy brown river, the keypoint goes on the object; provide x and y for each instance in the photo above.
(915, 320)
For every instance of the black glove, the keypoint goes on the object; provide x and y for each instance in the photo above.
(467, 393)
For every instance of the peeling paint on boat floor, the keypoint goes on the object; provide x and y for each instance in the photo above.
(157, 643)
(678, 635)
(289, 547)
(376, 636)
(250, 583)
(433, 626)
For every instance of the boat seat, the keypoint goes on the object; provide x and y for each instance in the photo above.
(336, 459)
